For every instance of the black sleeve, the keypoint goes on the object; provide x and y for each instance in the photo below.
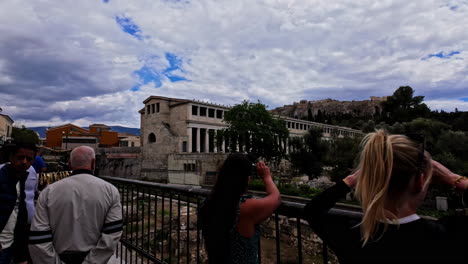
(323, 202)
(337, 231)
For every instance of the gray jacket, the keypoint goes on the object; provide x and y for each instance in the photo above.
(81, 213)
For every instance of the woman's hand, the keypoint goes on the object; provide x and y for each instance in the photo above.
(263, 171)
(351, 180)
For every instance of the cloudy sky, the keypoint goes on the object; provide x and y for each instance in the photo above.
(87, 62)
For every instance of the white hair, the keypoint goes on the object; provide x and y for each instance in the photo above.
(82, 157)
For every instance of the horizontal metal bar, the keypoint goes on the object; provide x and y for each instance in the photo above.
(170, 187)
(287, 208)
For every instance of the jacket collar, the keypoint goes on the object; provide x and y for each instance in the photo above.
(81, 171)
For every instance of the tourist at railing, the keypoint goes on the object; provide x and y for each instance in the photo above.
(39, 164)
(78, 219)
(391, 182)
(31, 185)
(18, 183)
(229, 219)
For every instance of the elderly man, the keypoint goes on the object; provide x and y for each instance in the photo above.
(78, 219)
(14, 197)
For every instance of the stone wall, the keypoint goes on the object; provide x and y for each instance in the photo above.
(124, 168)
(154, 155)
(194, 168)
(119, 162)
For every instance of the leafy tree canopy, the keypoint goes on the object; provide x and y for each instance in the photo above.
(308, 153)
(252, 129)
(24, 135)
(343, 156)
(403, 106)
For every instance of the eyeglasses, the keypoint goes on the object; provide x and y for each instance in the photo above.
(421, 140)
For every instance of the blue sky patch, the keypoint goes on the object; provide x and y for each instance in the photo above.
(128, 26)
(442, 55)
(175, 63)
(464, 99)
(147, 75)
(106, 1)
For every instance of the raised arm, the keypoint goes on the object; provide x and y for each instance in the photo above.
(442, 175)
(261, 209)
(316, 209)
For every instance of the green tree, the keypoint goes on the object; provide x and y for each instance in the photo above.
(308, 153)
(24, 135)
(382, 125)
(343, 157)
(450, 149)
(431, 129)
(403, 106)
(252, 129)
(461, 122)
(397, 128)
(368, 127)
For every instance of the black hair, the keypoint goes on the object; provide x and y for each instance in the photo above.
(23, 145)
(219, 212)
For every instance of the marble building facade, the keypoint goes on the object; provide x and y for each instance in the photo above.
(178, 142)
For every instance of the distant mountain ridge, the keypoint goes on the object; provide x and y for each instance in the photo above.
(120, 129)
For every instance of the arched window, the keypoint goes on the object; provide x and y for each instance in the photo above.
(151, 138)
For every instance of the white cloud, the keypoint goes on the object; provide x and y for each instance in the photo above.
(447, 105)
(69, 62)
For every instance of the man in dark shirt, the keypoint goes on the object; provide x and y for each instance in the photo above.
(13, 212)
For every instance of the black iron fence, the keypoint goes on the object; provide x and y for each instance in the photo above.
(161, 226)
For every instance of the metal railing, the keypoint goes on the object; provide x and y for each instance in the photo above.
(161, 226)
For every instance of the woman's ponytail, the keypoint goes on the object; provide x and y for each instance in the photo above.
(376, 164)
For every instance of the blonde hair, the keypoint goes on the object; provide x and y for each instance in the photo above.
(387, 164)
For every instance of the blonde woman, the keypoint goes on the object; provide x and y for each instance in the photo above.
(391, 182)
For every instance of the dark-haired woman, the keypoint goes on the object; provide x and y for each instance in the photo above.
(229, 219)
(391, 182)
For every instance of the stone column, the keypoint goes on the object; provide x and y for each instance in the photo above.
(223, 142)
(189, 141)
(215, 144)
(198, 140)
(207, 140)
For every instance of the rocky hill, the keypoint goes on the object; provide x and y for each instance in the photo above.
(310, 109)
